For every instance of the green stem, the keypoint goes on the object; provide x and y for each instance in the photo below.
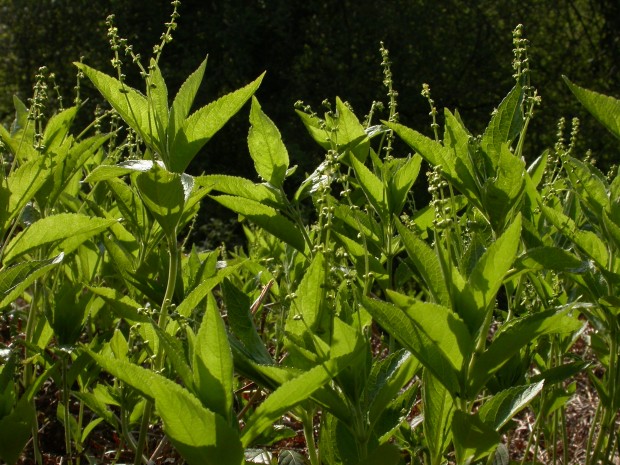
(173, 263)
(308, 423)
(595, 420)
(67, 414)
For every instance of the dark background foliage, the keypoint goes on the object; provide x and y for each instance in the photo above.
(319, 49)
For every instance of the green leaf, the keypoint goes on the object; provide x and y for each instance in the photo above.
(590, 187)
(241, 187)
(53, 229)
(401, 182)
(487, 276)
(550, 258)
(604, 108)
(373, 188)
(350, 134)
(266, 147)
(290, 394)
(427, 263)
(337, 444)
(201, 436)
(428, 349)
(241, 322)
(473, 439)
(22, 185)
(16, 430)
(122, 305)
(587, 241)
(438, 410)
(537, 169)
(105, 172)
(385, 454)
(502, 192)
(387, 378)
(505, 125)
(212, 363)
(202, 125)
(17, 278)
(267, 218)
(440, 324)
(454, 169)
(67, 312)
(157, 98)
(291, 457)
(193, 299)
(431, 150)
(513, 336)
(307, 312)
(184, 99)
(130, 104)
(175, 353)
(504, 405)
(164, 194)
(457, 139)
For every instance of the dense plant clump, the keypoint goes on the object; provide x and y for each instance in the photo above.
(360, 325)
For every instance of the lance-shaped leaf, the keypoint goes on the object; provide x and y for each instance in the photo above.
(157, 98)
(241, 322)
(290, 394)
(202, 125)
(350, 134)
(184, 99)
(57, 128)
(212, 363)
(487, 277)
(502, 192)
(587, 241)
(373, 188)
(438, 410)
(504, 405)
(266, 147)
(387, 378)
(550, 258)
(307, 312)
(604, 108)
(454, 169)
(473, 439)
(22, 185)
(415, 338)
(400, 183)
(52, 229)
(105, 172)
(201, 436)
(457, 139)
(130, 104)
(505, 125)
(515, 335)
(440, 324)
(241, 187)
(427, 263)
(267, 218)
(16, 279)
(589, 184)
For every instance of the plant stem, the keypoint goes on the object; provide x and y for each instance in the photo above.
(173, 263)
(65, 401)
(308, 422)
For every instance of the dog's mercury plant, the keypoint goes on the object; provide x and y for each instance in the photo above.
(391, 335)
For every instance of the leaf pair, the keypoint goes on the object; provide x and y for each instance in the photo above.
(172, 133)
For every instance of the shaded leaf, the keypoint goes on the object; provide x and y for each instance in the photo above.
(267, 218)
(201, 436)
